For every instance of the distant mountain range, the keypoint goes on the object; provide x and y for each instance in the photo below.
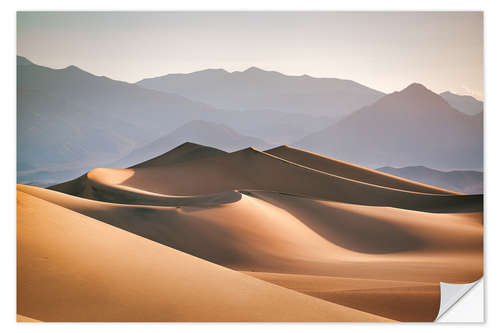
(255, 88)
(258, 89)
(466, 104)
(68, 117)
(70, 121)
(468, 182)
(414, 126)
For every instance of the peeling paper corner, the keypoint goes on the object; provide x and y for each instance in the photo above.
(457, 306)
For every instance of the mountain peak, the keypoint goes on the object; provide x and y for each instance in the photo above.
(414, 97)
(416, 87)
(246, 151)
(419, 94)
(189, 145)
(212, 70)
(72, 68)
(254, 69)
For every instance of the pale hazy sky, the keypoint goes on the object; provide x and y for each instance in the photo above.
(383, 50)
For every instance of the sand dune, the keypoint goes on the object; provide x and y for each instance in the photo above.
(386, 229)
(351, 171)
(279, 233)
(324, 228)
(185, 152)
(255, 170)
(74, 268)
(399, 300)
(249, 233)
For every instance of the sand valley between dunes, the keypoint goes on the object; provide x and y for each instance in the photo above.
(198, 234)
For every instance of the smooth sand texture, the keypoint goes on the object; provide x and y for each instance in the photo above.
(376, 248)
(74, 268)
(400, 300)
(281, 233)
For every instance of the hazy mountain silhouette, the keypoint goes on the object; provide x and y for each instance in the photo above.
(466, 104)
(70, 118)
(70, 121)
(197, 131)
(255, 88)
(411, 127)
(466, 181)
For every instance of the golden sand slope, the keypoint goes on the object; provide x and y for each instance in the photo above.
(399, 300)
(277, 233)
(328, 229)
(351, 171)
(74, 268)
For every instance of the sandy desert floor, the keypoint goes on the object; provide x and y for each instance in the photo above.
(198, 234)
